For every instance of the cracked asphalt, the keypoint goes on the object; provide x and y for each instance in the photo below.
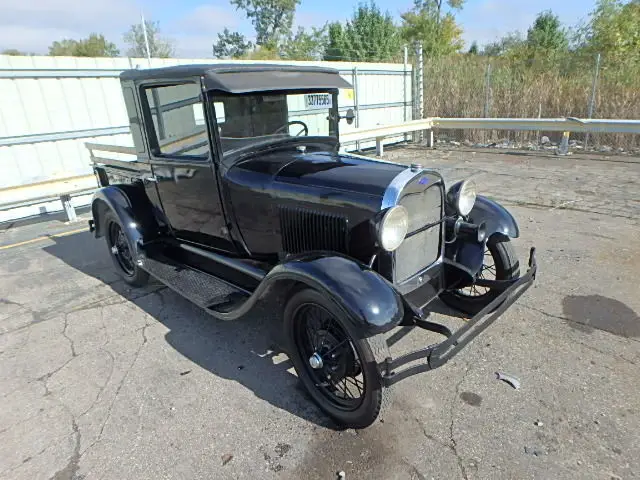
(100, 381)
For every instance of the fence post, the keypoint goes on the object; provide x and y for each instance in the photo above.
(65, 199)
(404, 87)
(487, 92)
(421, 91)
(592, 100)
(539, 116)
(356, 102)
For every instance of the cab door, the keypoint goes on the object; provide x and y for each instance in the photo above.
(183, 164)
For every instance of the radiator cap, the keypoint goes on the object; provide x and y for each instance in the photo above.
(416, 167)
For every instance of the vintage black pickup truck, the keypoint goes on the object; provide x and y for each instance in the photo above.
(238, 192)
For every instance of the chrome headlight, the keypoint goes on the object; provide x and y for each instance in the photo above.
(393, 228)
(462, 196)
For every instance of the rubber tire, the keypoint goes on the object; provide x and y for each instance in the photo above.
(507, 267)
(371, 351)
(139, 278)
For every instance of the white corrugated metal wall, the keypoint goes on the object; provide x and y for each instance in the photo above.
(51, 106)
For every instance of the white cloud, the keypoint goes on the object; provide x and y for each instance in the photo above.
(195, 32)
(488, 20)
(308, 19)
(209, 18)
(493, 19)
(33, 25)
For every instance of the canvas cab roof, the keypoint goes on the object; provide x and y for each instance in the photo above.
(245, 78)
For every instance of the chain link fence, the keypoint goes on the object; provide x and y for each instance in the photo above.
(570, 85)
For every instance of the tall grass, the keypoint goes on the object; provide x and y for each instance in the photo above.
(472, 86)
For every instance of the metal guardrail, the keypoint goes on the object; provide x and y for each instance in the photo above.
(387, 130)
(569, 124)
(64, 197)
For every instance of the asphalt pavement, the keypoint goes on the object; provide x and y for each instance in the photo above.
(102, 381)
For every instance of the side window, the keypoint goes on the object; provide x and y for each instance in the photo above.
(178, 121)
(134, 121)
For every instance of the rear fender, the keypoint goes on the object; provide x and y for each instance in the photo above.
(369, 300)
(124, 200)
(497, 219)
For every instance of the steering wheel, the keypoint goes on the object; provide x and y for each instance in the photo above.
(284, 128)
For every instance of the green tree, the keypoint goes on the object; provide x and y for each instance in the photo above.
(511, 42)
(264, 52)
(95, 45)
(474, 49)
(453, 5)
(613, 30)
(547, 33)
(272, 19)
(305, 45)
(159, 47)
(12, 52)
(231, 45)
(427, 23)
(370, 36)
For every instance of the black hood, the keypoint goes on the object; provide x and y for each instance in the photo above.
(323, 183)
(340, 172)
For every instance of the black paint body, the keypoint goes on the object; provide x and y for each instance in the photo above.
(275, 210)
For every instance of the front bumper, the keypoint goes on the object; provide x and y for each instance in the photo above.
(440, 353)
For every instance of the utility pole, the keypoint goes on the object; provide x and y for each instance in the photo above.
(146, 38)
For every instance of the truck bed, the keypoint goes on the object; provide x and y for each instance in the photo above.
(117, 170)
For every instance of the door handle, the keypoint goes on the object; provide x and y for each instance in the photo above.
(150, 179)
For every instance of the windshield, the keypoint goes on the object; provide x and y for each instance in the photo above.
(249, 120)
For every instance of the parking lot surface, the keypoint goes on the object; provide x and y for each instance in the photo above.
(101, 381)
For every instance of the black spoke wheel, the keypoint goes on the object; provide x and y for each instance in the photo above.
(337, 370)
(122, 252)
(488, 272)
(336, 366)
(500, 263)
(120, 248)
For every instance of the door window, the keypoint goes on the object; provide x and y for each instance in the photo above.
(178, 121)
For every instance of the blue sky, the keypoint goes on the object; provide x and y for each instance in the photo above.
(193, 24)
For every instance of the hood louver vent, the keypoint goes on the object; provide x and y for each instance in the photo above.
(305, 230)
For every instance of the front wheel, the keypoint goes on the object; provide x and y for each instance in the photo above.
(334, 363)
(500, 263)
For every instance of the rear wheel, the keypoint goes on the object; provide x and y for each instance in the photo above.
(336, 366)
(500, 263)
(121, 252)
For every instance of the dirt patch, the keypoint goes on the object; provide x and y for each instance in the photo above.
(374, 453)
(602, 313)
(471, 398)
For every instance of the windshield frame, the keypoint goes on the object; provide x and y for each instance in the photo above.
(268, 142)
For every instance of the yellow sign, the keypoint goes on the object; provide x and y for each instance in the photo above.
(348, 93)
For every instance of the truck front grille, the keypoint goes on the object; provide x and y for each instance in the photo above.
(304, 230)
(419, 250)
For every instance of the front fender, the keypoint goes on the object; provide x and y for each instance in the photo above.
(368, 299)
(120, 199)
(496, 218)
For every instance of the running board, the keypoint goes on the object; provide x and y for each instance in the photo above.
(206, 291)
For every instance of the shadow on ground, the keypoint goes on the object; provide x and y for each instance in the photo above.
(602, 313)
(240, 350)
